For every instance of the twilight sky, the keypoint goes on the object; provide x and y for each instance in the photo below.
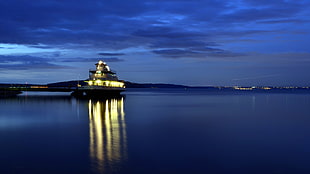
(201, 42)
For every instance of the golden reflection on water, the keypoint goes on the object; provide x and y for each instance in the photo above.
(107, 132)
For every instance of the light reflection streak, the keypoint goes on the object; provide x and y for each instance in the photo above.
(108, 145)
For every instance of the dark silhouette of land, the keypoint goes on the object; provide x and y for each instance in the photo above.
(76, 83)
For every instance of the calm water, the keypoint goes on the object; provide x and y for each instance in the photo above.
(156, 131)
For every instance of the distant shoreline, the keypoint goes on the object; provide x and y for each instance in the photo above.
(172, 86)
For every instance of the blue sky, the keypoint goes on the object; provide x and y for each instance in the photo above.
(202, 42)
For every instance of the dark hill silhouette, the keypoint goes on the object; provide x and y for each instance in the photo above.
(127, 84)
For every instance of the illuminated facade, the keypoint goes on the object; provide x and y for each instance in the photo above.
(104, 77)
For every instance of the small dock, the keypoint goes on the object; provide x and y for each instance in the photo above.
(7, 90)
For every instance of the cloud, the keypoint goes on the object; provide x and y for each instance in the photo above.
(155, 25)
(298, 59)
(196, 53)
(111, 54)
(24, 62)
(265, 9)
(113, 59)
(283, 21)
(167, 32)
(256, 77)
(41, 46)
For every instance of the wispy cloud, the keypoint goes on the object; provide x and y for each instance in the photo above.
(25, 62)
(91, 59)
(196, 53)
(256, 77)
(136, 23)
(111, 54)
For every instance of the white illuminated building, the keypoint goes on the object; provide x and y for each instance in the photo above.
(104, 77)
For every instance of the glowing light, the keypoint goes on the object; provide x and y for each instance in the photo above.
(243, 88)
(90, 83)
(108, 68)
(38, 86)
(106, 83)
(102, 66)
(107, 132)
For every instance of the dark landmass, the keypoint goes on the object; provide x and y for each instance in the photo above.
(127, 84)
(75, 83)
(152, 85)
(209, 88)
(68, 83)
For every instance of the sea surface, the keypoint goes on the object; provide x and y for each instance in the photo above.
(156, 131)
